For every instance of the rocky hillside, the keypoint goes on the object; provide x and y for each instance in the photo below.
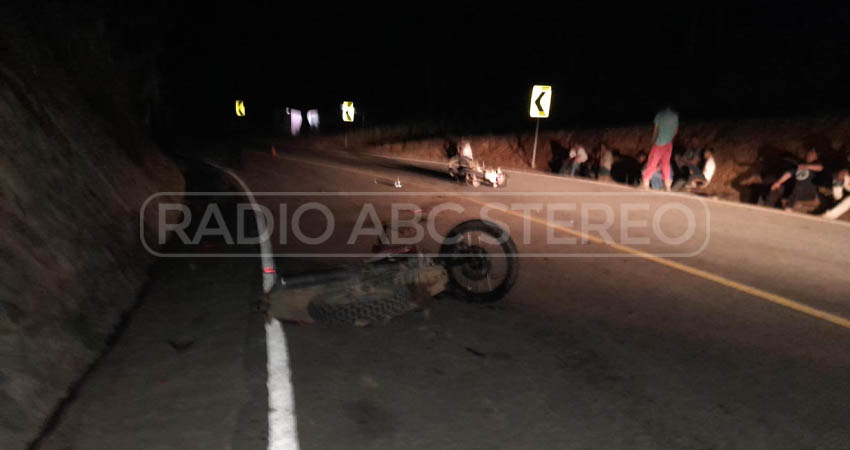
(76, 163)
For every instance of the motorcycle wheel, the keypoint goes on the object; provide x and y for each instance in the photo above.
(481, 261)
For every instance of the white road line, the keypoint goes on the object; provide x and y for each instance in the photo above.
(266, 253)
(283, 430)
(624, 249)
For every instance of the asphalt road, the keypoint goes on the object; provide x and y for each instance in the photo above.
(736, 337)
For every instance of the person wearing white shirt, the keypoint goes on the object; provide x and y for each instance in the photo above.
(708, 169)
(578, 156)
(466, 150)
(839, 186)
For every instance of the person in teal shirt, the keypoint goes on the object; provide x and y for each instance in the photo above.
(666, 128)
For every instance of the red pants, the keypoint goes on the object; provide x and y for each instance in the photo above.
(658, 156)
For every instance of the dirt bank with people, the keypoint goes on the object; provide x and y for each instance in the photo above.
(745, 151)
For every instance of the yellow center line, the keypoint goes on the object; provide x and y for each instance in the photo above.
(756, 292)
(719, 279)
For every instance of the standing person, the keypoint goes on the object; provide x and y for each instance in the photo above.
(666, 128)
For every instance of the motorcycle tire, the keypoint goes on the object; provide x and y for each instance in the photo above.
(450, 250)
(343, 309)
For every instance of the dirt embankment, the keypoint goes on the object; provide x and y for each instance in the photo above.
(75, 167)
(744, 151)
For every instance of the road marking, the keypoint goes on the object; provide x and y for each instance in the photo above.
(269, 271)
(719, 279)
(283, 431)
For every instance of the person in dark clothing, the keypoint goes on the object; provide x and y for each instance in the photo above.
(688, 162)
(802, 186)
(626, 169)
(694, 174)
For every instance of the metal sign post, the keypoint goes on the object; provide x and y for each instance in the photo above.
(534, 152)
(541, 98)
(347, 116)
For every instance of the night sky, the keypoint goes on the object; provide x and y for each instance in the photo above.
(475, 65)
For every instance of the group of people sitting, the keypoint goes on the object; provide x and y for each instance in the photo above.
(664, 169)
(693, 168)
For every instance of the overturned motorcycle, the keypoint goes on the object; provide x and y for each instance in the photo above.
(477, 173)
(477, 263)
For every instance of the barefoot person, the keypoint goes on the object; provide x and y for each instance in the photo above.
(666, 128)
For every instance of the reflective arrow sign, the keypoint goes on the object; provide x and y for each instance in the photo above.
(240, 108)
(348, 111)
(541, 98)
